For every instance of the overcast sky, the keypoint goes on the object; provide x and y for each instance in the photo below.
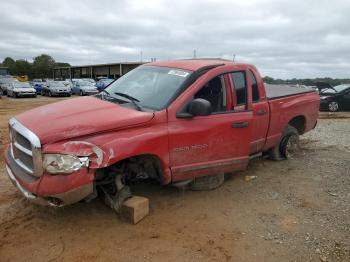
(285, 39)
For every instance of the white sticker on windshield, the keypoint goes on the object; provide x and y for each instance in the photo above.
(178, 73)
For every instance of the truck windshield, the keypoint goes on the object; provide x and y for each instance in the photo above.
(151, 85)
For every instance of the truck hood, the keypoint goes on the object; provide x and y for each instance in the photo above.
(78, 117)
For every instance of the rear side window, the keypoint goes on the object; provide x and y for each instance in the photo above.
(255, 89)
(240, 84)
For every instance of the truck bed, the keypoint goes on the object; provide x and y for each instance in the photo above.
(278, 91)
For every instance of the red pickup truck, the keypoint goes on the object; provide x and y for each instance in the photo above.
(176, 122)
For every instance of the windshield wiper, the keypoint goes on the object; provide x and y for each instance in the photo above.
(105, 91)
(105, 95)
(132, 100)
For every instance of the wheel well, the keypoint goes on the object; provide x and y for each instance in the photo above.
(298, 122)
(139, 167)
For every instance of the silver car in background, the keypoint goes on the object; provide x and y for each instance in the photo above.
(5, 82)
(20, 89)
(56, 88)
(83, 87)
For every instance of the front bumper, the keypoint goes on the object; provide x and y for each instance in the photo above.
(57, 200)
(58, 93)
(25, 94)
(324, 105)
(51, 190)
(90, 92)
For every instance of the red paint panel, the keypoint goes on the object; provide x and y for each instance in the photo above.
(56, 184)
(78, 117)
(283, 110)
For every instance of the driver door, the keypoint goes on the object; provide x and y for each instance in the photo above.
(216, 143)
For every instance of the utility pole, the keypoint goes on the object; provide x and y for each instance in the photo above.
(233, 58)
(194, 54)
(141, 55)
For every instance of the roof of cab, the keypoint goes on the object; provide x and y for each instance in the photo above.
(191, 64)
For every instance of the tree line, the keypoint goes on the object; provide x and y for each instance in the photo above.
(41, 67)
(306, 81)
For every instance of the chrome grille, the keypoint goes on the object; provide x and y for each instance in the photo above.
(25, 148)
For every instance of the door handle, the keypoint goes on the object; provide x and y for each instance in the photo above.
(240, 124)
(261, 112)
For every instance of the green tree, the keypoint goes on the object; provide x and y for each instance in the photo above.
(10, 63)
(43, 66)
(22, 67)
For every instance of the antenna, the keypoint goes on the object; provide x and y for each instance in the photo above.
(233, 57)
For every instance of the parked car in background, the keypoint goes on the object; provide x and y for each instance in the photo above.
(103, 83)
(56, 88)
(92, 81)
(335, 98)
(5, 81)
(83, 87)
(37, 84)
(67, 83)
(20, 89)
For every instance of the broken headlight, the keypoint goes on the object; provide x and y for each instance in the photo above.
(63, 164)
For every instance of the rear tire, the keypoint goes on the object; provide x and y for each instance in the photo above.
(207, 182)
(288, 145)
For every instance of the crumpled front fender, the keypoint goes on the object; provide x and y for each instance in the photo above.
(78, 148)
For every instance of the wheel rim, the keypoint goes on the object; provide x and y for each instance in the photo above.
(292, 146)
(333, 106)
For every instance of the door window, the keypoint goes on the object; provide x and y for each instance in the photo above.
(215, 92)
(255, 88)
(240, 88)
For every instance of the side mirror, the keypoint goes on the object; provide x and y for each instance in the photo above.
(197, 107)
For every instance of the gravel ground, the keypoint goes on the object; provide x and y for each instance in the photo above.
(295, 210)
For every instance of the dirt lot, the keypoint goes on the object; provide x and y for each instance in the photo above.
(295, 210)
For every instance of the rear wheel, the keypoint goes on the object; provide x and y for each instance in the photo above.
(207, 182)
(288, 145)
(333, 106)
